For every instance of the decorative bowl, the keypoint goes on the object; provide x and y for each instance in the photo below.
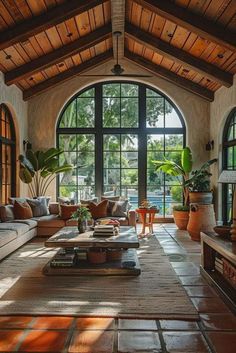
(223, 231)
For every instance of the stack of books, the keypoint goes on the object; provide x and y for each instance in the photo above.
(63, 260)
(104, 230)
(218, 264)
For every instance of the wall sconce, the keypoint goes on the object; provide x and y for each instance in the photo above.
(27, 145)
(210, 145)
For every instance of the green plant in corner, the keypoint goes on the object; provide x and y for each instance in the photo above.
(38, 169)
(200, 179)
(180, 170)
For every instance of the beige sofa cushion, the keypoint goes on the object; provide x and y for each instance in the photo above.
(19, 228)
(6, 236)
(50, 221)
(30, 222)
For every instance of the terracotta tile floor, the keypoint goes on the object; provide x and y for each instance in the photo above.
(214, 333)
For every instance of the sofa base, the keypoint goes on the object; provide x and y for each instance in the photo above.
(16, 243)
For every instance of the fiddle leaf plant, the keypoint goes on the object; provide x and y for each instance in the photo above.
(82, 214)
(38, 169)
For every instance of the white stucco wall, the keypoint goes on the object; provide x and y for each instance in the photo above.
(225, 101)
(44, 110)
(12, 97)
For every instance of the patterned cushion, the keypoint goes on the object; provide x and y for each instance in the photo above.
(39, 206)
(120, 209)
(98, 210)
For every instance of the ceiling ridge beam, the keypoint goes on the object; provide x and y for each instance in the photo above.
(68, 74)
(22, 31)
(178, 55)
(58, 55)
(192, 22)
(170, 76)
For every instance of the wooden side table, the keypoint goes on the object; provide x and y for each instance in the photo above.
(147, 216)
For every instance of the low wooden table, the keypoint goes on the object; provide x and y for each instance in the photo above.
(69, 237)
(147, 216)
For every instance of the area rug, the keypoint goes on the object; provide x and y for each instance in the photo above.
(156, 293)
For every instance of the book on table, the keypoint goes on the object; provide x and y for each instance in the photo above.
(104, 230)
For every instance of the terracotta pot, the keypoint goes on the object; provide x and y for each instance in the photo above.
(181, 219)
(114, 254)
(97, 256)
(201, 219)
(203, 198)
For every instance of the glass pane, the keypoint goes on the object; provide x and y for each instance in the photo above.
(129, 176)
(130, 192)
(111, 142)
(155, 112)
(154, 156)
(111, 90)
(86, 175)
(86, 112)
(68, 178)
(155, 195)
(174, 142)
(129, 142)
(129, 112)
(173, 180)
(155, 178)
(176, 193)
(231, 133)
(68, 191)
(68, 158)
(69, 116)
(171, 117)
(67, 142)
(129, 90)
(230, 157)
(129, 159)
(88, 93)
(111, 160)
(112, 177)
(86, 192)
(155, 142)
(86, 159)
(173, 156)
(85, 142)
(151, 93)
(111, 112)
(111, 190)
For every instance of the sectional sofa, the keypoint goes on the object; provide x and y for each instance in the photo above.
(14, 233)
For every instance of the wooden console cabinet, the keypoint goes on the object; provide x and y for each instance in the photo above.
(216, 250)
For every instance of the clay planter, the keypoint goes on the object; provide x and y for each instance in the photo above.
(114, 254)
(97, 256)
(201, 219)
(202, 198)
(181, 219)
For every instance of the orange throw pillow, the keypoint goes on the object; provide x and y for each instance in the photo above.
(98, 210)
(67, 210)
(22, 210)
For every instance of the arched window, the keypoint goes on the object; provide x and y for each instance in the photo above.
(112, 132)
(229, 162)
(7, 155)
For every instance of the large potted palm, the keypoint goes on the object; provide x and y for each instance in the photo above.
(181, 170)
(38, 169)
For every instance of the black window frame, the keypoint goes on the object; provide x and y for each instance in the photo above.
(226, 144)
(142, 131)
(8, 142)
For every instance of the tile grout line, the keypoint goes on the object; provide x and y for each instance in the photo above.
(69, 335)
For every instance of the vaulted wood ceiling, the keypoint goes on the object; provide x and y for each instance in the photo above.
(191, 43)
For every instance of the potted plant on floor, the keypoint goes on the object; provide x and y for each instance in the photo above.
(83, 216)
(181, 170)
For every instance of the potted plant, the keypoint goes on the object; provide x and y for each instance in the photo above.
(199, 184)
(181, 170)
(38, 169)
(82, 215)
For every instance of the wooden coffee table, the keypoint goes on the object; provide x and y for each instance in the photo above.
(69, 237)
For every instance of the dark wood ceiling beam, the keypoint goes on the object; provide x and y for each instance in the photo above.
(58, 55)
(192, 22)
(68, 74)
(22, 31)
(170, 76)
(178, 55)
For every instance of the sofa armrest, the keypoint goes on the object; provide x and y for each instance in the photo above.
(54, 208)
(132, 218)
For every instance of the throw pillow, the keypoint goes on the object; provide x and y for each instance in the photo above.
(87, 202)
(111, 203)
(120, 209)
(67, 210)
(63, 200)
(39, 206)
(13, 199)
(6, 213)
(22, 210)
(98, 210)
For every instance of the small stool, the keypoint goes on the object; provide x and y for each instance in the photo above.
(147, 216)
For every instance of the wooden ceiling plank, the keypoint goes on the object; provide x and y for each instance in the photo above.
(56, 15)
(58, 55)
(54, 37)
(227, 15)
(191, 21)
(107, 11)
(66, 75)
(179, 55)
(170, 76)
